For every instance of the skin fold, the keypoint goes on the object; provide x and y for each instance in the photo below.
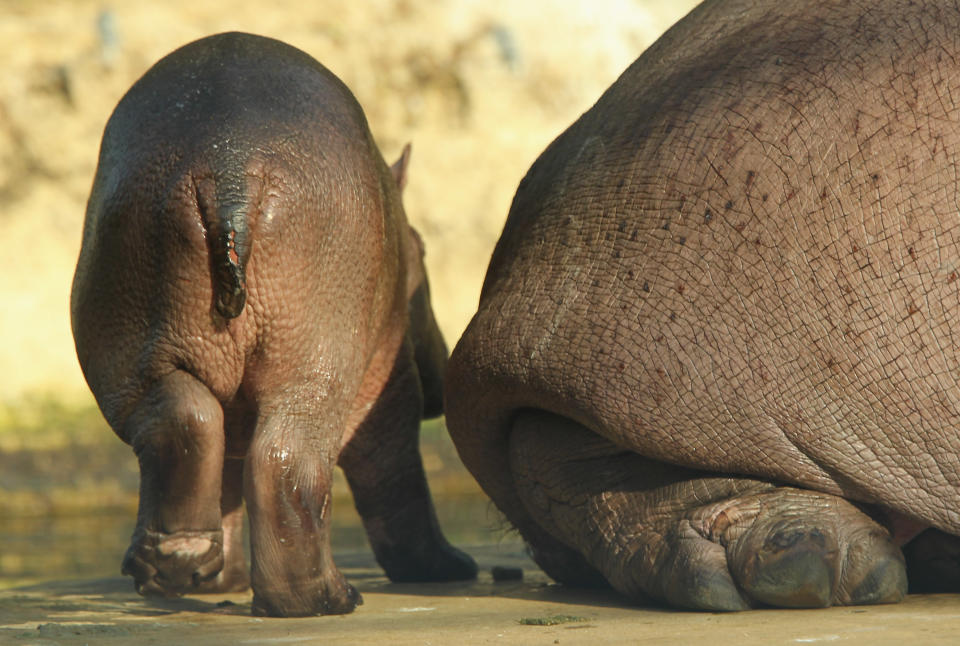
(713, 363)
(250, 308)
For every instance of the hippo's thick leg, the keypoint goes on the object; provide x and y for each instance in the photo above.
(383, 466)
(286, 484)
(176, 431)
(235, 576)
(694, 540)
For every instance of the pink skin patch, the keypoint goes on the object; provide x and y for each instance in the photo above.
(232, 248)
(184, 544)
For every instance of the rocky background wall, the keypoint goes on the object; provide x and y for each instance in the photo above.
(479, 87)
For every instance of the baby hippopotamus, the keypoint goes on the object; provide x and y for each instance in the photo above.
(250, 308)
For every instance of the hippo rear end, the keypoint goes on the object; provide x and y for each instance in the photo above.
(713, 363)
(242, 311)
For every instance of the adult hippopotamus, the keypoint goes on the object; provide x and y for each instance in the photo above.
(714, 363)
(249, 308)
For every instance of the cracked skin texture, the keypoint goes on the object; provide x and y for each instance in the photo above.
(742, 260)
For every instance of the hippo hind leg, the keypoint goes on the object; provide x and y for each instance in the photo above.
(383, 467)
(662, 533)
(176, 430)
(287, 482)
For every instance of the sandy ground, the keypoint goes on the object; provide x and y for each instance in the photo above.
(107, 611)
(479, 87)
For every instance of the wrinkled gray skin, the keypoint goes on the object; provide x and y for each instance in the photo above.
(714, 363)
(250, 308)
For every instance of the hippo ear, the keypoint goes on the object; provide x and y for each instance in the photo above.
(399, 168)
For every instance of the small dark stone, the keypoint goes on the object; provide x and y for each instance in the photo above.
(501, 573)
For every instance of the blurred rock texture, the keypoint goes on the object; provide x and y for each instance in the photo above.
(479, 87)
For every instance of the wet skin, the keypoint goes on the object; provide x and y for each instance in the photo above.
(250, 308)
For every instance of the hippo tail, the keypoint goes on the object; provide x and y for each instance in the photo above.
(225, 215)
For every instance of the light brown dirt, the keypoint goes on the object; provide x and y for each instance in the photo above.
(479, 87)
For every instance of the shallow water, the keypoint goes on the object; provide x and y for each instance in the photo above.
(41, 548)
(68, 496)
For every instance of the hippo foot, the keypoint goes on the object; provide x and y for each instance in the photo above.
(443, 563)
(785, 547)
(336, 597)
(692, 539)
(169, 565)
